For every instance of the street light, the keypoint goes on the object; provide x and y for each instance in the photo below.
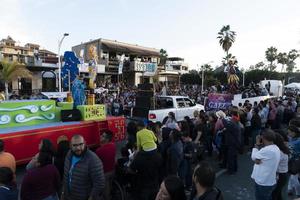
(59, 62)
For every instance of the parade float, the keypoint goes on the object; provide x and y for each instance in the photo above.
(24, 123)
(222, 101)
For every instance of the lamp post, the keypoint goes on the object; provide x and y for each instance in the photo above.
(59, 62)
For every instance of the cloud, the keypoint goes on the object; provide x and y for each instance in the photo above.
(12, 21)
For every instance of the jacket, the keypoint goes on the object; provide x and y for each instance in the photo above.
(87, 177)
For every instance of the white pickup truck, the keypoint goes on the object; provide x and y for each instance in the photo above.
(182, 106)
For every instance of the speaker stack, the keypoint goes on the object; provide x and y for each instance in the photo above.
(144, 100)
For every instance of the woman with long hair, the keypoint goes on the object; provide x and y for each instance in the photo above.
(280, 192)
(171, 188)
(45, 146)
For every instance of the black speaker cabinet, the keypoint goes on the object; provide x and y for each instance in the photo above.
(70, 115)
(140, 112)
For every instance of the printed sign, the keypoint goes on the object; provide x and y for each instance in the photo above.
(117, 126)
(148, 68)
(216, 101)
(92, 112)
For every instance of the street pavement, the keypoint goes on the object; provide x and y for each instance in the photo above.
(239, 185)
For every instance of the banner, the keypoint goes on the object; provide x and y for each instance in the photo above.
(216, 101)
(92, 112)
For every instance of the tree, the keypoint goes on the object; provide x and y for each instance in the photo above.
(163, 56)
(226, 38)
(257, 66)
(283, 59)
(271, 56)
(10, 71)
(228, 57)
(292, 56)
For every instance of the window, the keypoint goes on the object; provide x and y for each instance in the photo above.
(164, 102)
(188, 102)
(180, 103)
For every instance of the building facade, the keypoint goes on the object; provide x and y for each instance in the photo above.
(172, 70)
(42, 63)
(117, 61)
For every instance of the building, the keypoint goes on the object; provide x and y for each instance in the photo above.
(115, 61)
(42, 63)
(172, 70)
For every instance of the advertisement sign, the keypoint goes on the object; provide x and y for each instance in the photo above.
(92, 112)
(148, 68)
(216, 101)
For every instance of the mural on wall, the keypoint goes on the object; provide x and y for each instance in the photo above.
(70, 66)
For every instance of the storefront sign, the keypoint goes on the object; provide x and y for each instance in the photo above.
(217, 101)
(92, 112)
(145, 67)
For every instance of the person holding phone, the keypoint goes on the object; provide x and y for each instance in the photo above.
(266, 156)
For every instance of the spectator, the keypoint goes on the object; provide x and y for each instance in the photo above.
(146, 139)
(266, 160)
(175, 153)
(255, 125)
(63, 147)
(6, 159)
(146, 167)
(280, 192)
(232, 137)
(171, 121)
(204, 180)
(83, 173)
(42, 181)
(186, 164)
(8, 190)
(45, 146)
(294, 146)
(131, 133)
(107, 154)
(171, 188)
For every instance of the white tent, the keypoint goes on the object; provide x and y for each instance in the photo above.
(293, 86)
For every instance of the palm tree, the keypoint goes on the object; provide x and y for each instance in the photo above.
(282, 58)
(226, 38)
(228, 57)
(10, 71)
(292, 56)
(163, 56)
(271, 56)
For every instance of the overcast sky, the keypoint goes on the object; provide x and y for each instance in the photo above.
(185, 28)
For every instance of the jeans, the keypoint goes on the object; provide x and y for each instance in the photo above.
(254, 133)
(185, 172)
(263, 192)
(281, 191)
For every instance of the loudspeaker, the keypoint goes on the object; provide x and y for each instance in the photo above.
(140, 112)
(144, 102)
(70, 115)
(145, 93)
(145, 86)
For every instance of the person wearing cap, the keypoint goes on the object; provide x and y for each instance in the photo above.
(146, 139)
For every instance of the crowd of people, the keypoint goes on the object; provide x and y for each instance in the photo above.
(166, 161)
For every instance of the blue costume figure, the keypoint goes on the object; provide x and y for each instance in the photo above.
(70, 67)
(78, 92)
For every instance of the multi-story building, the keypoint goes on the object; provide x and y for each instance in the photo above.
(139, 63)
(42, 63)
(173, 69)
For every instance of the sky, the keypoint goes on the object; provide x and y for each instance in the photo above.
(185, 28)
